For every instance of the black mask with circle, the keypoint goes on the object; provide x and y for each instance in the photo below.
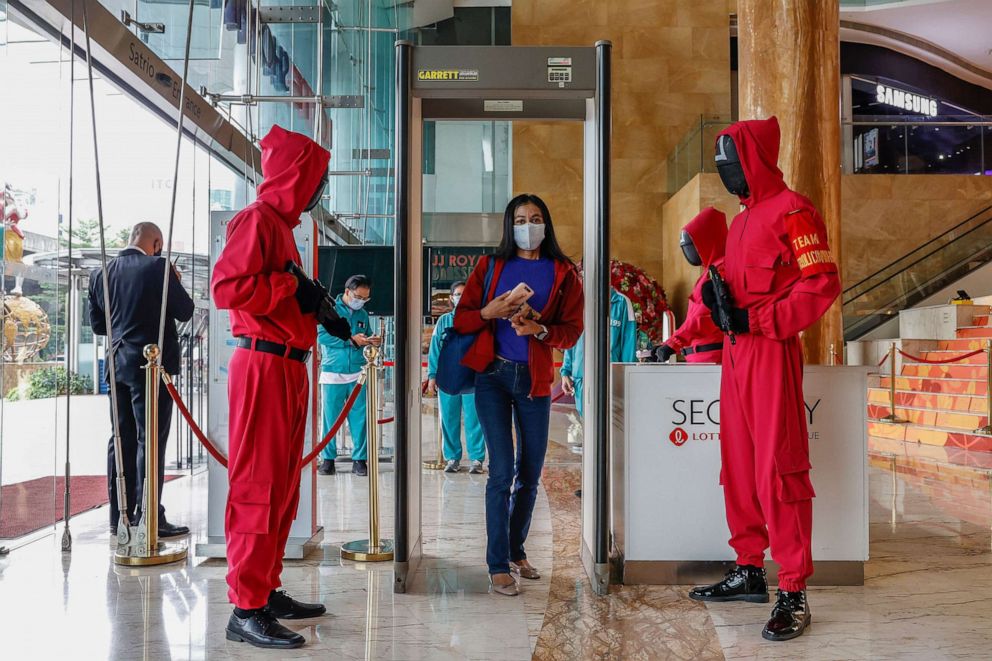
(689, 249)
(315, 199)
(729, 167)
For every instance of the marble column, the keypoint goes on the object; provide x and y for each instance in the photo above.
(789, 54)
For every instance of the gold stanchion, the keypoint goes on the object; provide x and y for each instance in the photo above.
(833, 357)
(892, 417)
(987, 429)
(437, 464)
(144, 549)
(372, 549)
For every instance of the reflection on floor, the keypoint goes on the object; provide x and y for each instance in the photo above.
(928, 594)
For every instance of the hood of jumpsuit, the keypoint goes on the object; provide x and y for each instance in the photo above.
(708, 231)
(757, 142)
(292, 166)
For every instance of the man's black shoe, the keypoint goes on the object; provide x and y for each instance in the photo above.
(326, 467)
(166, 530)
(790, 617)
(284, 607)
(360, 467)
(261, 629)
(743, 583)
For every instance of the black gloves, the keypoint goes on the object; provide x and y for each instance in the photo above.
(663, 353)
(309, 293)
(332, 322)
(314, 299)
(730, 319)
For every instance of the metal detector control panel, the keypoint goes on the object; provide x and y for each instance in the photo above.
(511, 82)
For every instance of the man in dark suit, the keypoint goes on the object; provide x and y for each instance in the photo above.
(135, 278)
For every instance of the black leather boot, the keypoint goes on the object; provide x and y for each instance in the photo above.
(284, 607)
(790, 617)
(261, 629)
(743, 583)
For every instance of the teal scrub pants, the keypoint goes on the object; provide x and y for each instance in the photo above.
(452, 407)
(578, 395)
(333, 396)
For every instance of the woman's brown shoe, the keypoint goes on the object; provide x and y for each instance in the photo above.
(525, 571)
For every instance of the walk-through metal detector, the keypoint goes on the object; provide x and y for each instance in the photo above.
(507, 83)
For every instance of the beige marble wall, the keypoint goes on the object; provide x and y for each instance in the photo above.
(886, 216)
(671, 64)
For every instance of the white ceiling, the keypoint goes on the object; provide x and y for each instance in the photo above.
(962, 27)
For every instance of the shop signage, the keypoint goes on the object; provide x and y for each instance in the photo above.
(451, 264)
(915, 103)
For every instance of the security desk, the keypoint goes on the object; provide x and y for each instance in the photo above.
(669, 522)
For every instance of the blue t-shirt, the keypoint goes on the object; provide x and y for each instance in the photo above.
(539, 274)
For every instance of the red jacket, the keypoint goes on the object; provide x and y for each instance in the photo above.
(250, 278)
(708, 231)
(562, 316)
(778, 263)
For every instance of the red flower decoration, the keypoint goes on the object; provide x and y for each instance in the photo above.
(645, 294)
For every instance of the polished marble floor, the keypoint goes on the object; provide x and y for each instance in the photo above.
(928, 593)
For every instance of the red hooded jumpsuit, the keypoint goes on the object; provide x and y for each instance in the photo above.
(267, 394)
(779, 267)
(698, 337)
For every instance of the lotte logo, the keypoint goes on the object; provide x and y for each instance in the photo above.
(678, 437)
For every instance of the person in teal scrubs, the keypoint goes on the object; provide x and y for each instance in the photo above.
(341, 364)
(623, 346)
(453, 406)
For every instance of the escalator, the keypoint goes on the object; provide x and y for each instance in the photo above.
(920, 273)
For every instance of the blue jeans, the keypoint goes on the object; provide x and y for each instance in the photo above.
(503, 402)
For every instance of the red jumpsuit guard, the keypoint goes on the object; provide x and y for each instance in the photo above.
(268, 394)
(698, 338)
(779, 267)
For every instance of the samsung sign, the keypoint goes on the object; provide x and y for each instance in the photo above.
(920, 105)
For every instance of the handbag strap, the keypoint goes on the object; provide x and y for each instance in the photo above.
(490, 269)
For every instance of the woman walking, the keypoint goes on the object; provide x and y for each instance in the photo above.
(512, 355)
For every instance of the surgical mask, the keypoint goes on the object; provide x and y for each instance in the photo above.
(528, 236)
(454, 300)
(356, 303)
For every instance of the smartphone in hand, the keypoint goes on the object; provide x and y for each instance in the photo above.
(520, 294)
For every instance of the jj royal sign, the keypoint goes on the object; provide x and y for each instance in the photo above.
(920, 105)
(673, 501)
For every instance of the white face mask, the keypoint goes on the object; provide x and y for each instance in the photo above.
(528, 236)
(356, 303)
(454, 300)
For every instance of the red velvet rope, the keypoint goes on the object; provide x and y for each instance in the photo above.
(884, 358)
(918, 359)
(214, 452)
(222, 460)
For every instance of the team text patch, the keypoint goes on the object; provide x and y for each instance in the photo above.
(808, 240)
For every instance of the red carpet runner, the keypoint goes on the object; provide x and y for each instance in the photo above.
(36, 504)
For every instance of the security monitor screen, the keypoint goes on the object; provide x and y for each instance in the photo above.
(338, 263)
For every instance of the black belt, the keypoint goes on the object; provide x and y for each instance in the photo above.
(274, 348)
(702, 348)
